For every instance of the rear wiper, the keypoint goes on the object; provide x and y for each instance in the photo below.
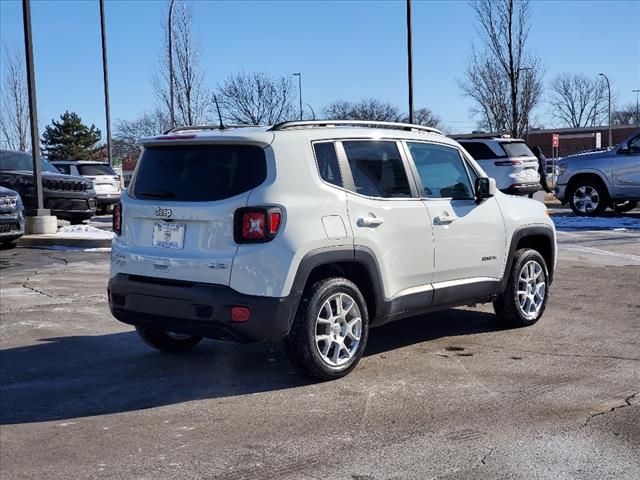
(157, 194)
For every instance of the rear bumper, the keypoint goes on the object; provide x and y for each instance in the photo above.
(108, 199)
(197, 309)
(522, 188)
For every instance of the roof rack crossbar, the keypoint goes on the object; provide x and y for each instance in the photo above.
(186, 128)
(361, 123)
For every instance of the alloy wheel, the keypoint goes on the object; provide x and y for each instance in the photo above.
(338, 329)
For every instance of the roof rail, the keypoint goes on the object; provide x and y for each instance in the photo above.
(186, 128)
(359, 123)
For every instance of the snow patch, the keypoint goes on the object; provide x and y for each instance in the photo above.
(596, 223)
(84, 231)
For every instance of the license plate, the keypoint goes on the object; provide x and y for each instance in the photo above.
(168, 235)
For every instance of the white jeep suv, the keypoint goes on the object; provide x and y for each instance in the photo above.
(313, 232)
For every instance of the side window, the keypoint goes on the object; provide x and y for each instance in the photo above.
(377, 169)
(441, 170)
(327, 161)
(63, 169)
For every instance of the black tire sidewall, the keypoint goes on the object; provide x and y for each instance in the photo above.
(523, 257)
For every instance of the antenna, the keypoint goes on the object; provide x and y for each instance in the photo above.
(222, 127)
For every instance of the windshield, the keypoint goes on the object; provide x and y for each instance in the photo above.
(517, 149)
(22, 161)
(93, 170)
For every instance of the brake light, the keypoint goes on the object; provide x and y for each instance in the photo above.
(175, 137)
(256, 224)
(117, 219)
(508, 163)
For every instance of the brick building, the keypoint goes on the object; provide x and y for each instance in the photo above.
(575, 140)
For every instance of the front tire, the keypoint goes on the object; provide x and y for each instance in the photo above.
(625, 206)
(330, 331)
(525, 298)
(588, 197)
(167, 341)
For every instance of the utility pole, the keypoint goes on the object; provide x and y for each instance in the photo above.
(409, 61)
(105, 73)
(526, 102)
(609, 88)
(171, 80)
(33, 113)
(637, 111)
(299, 75)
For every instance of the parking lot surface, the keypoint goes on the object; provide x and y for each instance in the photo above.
(448, 395)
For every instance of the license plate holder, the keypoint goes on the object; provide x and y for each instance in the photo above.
(168, 235)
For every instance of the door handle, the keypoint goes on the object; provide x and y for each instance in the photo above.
(444, 219)
(370, 221)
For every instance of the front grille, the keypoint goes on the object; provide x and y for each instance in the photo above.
(8, 227)
(64, 185)
(67, 204)
(8, 201)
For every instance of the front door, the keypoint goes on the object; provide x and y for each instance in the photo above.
(469, 237)
(388, 218)
(626, 170)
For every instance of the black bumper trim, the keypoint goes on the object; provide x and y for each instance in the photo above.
(198, 309)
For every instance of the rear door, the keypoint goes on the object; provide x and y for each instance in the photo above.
(178, 219)
(387, 218)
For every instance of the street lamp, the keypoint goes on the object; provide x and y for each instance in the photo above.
(313, 113)
(105, 74)
(637, 112)
(171, 81)
(609, 88)
(299, 75)
(526, 104)
(409, 61)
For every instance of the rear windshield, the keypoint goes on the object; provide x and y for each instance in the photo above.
(198, 173)
(95, 170)
(517, 149)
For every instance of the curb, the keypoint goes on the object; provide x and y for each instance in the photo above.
(58, 241)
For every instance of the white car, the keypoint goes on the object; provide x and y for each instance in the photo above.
(313, 232)
(509, 161)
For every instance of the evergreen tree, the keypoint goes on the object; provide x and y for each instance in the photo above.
(70, 139)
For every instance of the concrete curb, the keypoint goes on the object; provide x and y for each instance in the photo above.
(63, 241)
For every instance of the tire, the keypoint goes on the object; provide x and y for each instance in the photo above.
(588, 197)
(625, 206)
(319, 330)
(166, 341)
(509, 306)
(8, 245)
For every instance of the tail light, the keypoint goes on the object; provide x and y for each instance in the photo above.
(508, 163)
(117, 218)
(256, 224)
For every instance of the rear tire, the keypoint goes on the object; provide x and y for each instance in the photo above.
(588, 197)
(167, 341)
(625, 206)
(330, 331)
(525, 298)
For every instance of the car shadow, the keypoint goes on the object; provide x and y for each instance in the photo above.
(77, 376)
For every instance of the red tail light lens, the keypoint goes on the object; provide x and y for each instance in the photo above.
(256, 224)
(117, 219)
(240, 314)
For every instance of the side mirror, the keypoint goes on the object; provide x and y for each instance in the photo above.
(485, 188)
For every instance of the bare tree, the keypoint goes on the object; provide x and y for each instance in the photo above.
(256, 99)
(192, 97)
(14, 115)
(367, 109)
(505, 79)
(627, 115)
(579, 101)
(424, 116)
(128, 132)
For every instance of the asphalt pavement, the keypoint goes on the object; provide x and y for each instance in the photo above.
(448, 395)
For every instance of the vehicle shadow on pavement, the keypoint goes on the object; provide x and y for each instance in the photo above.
(70, 377)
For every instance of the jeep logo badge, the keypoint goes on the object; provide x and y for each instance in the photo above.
(163, 212)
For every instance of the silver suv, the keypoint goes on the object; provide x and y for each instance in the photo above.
(591, 182)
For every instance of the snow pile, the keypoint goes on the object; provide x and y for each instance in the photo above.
(596, 223)
(84, 231)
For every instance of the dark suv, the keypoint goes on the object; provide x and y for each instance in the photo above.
(68, 197)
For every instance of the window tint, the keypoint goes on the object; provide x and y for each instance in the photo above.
(441, 170)
(63, 168)
(517, 149)
(327, 161)
(198, 173)
(93, 170)
(377, 169)
(479, 150)
(10, 160)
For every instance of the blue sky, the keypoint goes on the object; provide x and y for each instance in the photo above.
(345, 50)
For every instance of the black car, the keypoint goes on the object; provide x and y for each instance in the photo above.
(11, 217)
(68, 197)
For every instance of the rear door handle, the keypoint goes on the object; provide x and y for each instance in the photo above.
(370, 221)
(444, 219)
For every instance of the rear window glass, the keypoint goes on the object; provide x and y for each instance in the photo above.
(517, 149)
(95, 170)
(480, 151)
(198, 173)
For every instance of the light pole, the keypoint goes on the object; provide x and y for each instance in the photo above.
(409, 61)
(526, 103)
(171, 81)
(105, 74)
(609, 88)
(299, 75)
(313, 113)
(637, 111)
